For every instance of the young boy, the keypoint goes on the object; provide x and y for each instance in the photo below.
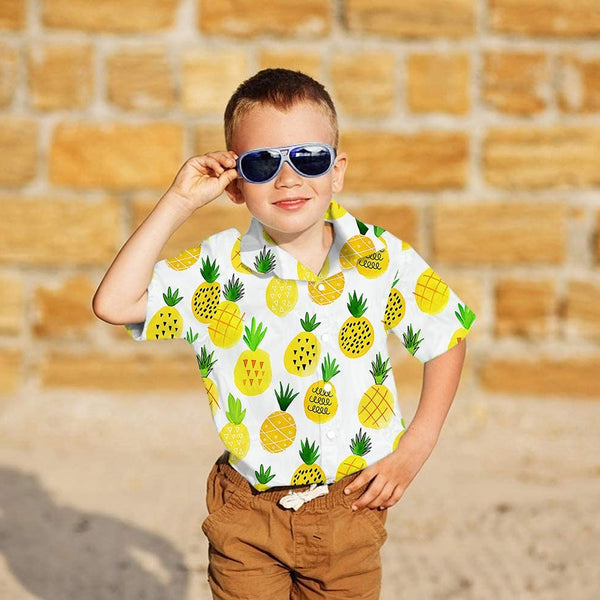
(289, 324)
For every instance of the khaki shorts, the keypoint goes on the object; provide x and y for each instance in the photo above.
(259, 550)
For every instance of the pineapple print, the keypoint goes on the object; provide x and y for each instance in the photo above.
(320, 401)
(262, 478)
(356, 334)
(252, 372)
(411, 340)
(326, 291)
(184, 260)
(306, 274)
(278, 430)
(357, 247)
(359, 446)
(431, 293)
(235, 434)
(206, 364)
(167, 323)
(308, 472)
(236, 257)
(281, 295)
(301, 357)
(376, 264)
(227, 326)
(465, 317)
(376, 407)
(397, 440)
(206, 296)
(334, 211)
(395, 307)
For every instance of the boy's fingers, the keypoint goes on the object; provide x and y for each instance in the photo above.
(362, 479)
(369, 495)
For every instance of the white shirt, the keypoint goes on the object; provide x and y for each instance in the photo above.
(295, 406)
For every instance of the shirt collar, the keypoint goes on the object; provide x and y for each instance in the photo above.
(352, 240)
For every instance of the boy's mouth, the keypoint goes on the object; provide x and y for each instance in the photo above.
(291, 203)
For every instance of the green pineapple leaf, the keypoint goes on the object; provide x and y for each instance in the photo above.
(205, 361)
(172, 298)
(329, 368)
(357, 305)
(380, 369)
(309, 323)
(265, 261)
(360, 443)
(190, 336)
(209, 270)
(361, 227)
(411, 340)
(309, 453)
(233, 290)
(263, 476)
(235, 414)
(254, 335)
(465, 316)
(378, 230)
(285, 398)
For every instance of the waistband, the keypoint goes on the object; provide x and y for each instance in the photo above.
(335, 497)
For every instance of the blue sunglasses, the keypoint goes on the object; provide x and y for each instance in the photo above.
(263, 164)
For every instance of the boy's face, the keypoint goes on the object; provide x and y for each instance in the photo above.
(289, 204)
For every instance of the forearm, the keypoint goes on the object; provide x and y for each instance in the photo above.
(121, 296)
(441, 377)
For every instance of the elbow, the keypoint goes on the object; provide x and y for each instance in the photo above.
(102, 309)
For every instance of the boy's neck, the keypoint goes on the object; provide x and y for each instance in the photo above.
(309, 247)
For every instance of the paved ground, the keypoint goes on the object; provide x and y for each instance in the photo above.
(103, 500)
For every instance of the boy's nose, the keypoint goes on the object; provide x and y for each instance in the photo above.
(287, 177)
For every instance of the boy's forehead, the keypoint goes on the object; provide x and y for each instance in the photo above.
(266, 125)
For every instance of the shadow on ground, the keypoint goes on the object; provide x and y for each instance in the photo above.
(61, 553)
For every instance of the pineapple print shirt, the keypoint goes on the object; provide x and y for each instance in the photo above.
(295, 364)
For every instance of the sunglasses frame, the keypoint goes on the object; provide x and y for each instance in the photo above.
(284, 157)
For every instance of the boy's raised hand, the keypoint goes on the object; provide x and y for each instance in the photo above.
(203, 178)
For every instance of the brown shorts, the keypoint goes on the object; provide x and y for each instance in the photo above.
(259, 550)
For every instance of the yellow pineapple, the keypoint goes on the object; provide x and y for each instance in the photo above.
(376, 407)
(356, 334)
(278, 430)
(397, 440)
(236, 257)
(262, 478)
(395, 308)
(206, 296)
(184, 260)
(357, 247)
(252, 372)
(235, 434)
(334, 211)
(326, 291)
(360, 445)
(301, 356)
(465, 317)
(308, 472)
(227, 325)
(306, 274)
(376, 264)
(321, 401)
(205, 364)
(431, 293)
(281, 294)
(167, 323)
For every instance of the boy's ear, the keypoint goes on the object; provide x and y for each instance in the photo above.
(234, 192)
(339, 171)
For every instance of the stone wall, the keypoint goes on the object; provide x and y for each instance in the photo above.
(472, 127)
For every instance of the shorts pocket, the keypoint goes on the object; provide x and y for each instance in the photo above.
(376, 520)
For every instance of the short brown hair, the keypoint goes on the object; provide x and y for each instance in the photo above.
(281, 88)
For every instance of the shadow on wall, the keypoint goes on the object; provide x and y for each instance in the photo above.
(61, 553)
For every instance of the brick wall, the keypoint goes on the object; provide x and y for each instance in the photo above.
(473, 130)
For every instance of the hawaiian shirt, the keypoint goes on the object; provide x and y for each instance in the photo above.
(295, 364)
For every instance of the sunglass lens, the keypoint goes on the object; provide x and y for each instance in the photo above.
(312, 161)
(260, 166)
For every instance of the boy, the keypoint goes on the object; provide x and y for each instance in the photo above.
(289, 325)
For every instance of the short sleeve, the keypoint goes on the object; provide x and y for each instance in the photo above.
(422, 310)
(168, 313)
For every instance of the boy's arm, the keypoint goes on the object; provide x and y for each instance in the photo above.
(121, 297)
(391, 475)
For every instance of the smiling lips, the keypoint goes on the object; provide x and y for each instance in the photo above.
(291, 203)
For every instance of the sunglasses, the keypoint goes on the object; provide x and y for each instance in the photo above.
(263, 164)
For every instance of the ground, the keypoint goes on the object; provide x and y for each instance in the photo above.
(103, 498)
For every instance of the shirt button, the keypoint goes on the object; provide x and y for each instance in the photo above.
(327, 387)
(331, 434)
(321, 287)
